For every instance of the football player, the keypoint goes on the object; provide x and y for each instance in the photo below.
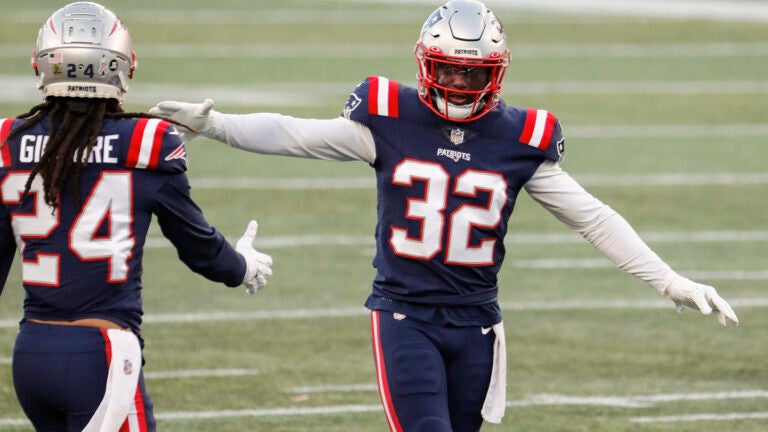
(450, 158)
(79, 182)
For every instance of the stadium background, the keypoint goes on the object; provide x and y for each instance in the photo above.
(663, 105)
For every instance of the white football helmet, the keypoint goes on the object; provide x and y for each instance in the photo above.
(461, 37)
(83, 50)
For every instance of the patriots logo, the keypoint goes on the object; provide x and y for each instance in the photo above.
(560, 149)
(179, 153)
(352, 103)
(435, 18)
(127, 367)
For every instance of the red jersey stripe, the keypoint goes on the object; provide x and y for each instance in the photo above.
(146, 143)
(5, 150)
(157, 143)
(530, 121)
(538, 127)
(373, 95)
(549, 126)
(134, 151)
(392, 101)
(382, 97)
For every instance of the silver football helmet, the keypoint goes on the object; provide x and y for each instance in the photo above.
(83, 50)
(461, 37)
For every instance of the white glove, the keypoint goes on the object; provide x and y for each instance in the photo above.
(195, 115)
(687, 293)
(258, 265)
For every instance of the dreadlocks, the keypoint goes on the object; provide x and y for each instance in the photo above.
(75, 124)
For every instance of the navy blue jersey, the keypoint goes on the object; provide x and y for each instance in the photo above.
(85, 261)
(445, 194)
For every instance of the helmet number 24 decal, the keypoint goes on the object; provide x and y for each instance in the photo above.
(86, 70)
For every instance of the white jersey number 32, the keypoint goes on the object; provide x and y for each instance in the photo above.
(430, 210)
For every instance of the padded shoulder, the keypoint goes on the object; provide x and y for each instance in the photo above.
(156, 145)
(542, 130)
(375, 96)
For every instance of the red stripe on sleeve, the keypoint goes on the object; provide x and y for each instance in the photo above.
(548, 128)
(393, 99)
(530, 122)
(373, 95)
(157, 144)
(133, 152)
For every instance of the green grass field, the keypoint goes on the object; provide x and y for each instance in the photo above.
(665, 121)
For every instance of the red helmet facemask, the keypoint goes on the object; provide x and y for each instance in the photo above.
(459, 89)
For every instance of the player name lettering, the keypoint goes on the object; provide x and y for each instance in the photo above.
(453, 154)
(32, 147)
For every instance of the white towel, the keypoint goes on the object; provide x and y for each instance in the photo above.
(123, 377)
(496, 398)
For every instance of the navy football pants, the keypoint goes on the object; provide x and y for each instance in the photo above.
(60, 374)
(431, 378)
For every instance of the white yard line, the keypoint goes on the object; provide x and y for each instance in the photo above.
(602, 263)
(279, 242)
(337, 51)
(732, 10)
(183, 373)
(199, 373)
(334, 388)
(679, 9)
(559, 399)
(22, 89)
(214, 316)
(702, 417)
(586, 179)
(720, 10)
(716, 10)
(642, 401)
(666, 131)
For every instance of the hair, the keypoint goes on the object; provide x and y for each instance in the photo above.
(75, 124)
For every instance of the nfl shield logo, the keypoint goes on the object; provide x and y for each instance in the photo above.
(457, 136)
(127, 367)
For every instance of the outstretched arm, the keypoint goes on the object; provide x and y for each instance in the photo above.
(201, 247)
(269, 133)
(609, 232)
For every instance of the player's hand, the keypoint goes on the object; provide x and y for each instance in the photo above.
(195, 115)
(687, 293)
(258, 265)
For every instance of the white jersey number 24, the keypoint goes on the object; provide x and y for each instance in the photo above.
(109, 201)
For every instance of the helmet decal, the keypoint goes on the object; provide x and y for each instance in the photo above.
(83, 50)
